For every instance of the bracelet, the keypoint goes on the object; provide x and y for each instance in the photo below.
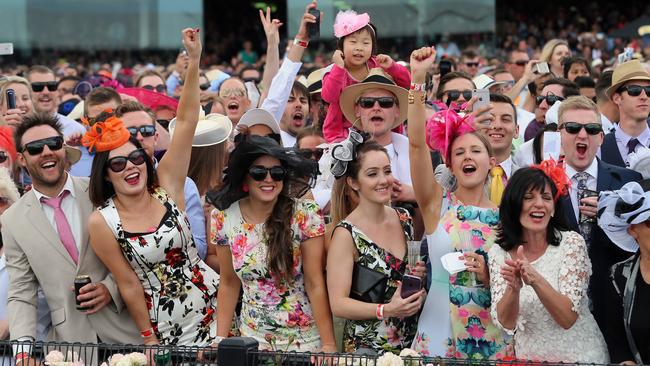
(380, 312)
(418, 87)
(411, 97)
(21, 356)
(147, 333)
(300, 42)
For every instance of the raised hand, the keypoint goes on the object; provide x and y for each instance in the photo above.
(337, 58)
(384, 61)
(271, 26)
(192, 43)
(307, 18)
(421, 61)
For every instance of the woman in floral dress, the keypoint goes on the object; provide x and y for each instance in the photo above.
(455, 320)
(271, 245)
(140, 230)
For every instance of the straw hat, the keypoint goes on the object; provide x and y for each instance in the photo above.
(73, 154)
(377, 79)
(213, 129)
(315, 81)
(485, 82)
(627, 71)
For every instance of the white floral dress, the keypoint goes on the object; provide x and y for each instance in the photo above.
(538, 337)
(277, 315)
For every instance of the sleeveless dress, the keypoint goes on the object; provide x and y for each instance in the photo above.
(277, 315)
(455, 320)
(390, 334)
(180, 289)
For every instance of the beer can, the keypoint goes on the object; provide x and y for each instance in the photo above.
(79, 282)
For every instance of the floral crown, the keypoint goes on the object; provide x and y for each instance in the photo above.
(105, 135)
(555, 171)
(444, 127)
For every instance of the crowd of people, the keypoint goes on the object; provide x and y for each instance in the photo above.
(283, 205)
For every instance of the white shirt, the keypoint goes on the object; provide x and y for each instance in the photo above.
(592, 170)
(607, 124)
(506, 165)
(287, 139)
(623, 138)
(70, 209)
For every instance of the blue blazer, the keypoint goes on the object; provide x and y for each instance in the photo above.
(609, 152)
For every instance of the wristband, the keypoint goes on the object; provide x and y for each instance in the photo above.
(147, 333)
(300, 42)
(380, 312)
(21, 356)
(411, 97)
(418, 87)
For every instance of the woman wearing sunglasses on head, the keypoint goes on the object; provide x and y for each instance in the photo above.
(140, 230)
(270, 244)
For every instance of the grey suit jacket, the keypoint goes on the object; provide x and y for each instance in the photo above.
(36, 256)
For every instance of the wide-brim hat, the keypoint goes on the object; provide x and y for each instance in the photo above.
(627, 71)
(259, 116)
(213, 129)
(72, 154)
(315, 81)
(485, 82)
(377, 79)
(619, 209)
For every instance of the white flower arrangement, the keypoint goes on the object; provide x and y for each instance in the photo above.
(57, 358)
(132, 359)
(391, 359)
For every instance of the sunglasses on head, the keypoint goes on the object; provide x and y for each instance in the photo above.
(118, 163)
(226, 93)
(3, 157)
(316, 153)
(454, 94)
(550, 99)
(259, 173)
(38, 86)
(635, 90)
(369, 102)
(575, 127)
(145, 131)
(36, 147)
(160, 88)
(205, 86)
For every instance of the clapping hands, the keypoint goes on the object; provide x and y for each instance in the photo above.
(518, 271)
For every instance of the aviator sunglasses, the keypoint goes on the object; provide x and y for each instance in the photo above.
(369, 102)
(575, 127)
(259, 173)
(36, 147)
(118, 163)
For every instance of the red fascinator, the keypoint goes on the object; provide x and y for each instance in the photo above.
(7, 141)
(444, 127)
(106, 135)
(555, 171)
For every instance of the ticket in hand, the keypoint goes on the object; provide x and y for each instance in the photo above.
(453, 262)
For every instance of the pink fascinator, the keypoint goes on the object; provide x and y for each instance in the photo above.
(348, 22)
(444, 127)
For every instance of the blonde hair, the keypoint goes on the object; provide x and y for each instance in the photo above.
(549, 47)
(577, 102)
(4, 85)
(7, 186)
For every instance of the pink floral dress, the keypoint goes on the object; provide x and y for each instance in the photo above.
(277, 315)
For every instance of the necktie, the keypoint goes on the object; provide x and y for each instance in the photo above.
(583, 223)
(631, 145)
(62, 225)
(496, 187)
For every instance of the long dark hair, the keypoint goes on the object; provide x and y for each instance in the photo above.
(100, 189)
(510, 231)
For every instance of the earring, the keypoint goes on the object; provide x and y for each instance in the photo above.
(244, 187)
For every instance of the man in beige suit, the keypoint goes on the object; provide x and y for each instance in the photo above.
(46, 241)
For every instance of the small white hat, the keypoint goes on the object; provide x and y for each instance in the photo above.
(213, 129)
(484, 82)
(259, 116)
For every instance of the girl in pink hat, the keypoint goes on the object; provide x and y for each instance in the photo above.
(355, 56)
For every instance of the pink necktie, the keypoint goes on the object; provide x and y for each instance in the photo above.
(62, 225)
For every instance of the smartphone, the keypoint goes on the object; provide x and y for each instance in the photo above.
(482, 98)
(410, 285)
(541, 68)
(314, 28)
(444, 67)
(11, 99)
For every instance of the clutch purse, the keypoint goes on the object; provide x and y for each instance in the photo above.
(368, 285)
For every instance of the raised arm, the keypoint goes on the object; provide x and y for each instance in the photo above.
(173, 167)
(271, 29)
(428, 192)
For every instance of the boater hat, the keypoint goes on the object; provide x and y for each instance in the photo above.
(213, 129)
(627, 71)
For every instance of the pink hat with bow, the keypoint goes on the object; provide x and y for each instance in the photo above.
(348, 22)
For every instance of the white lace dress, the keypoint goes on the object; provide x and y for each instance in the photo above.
(537, 336)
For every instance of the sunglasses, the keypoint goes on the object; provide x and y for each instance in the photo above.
(259, 173)
(254, 80)
(316, 154)
(38, 86)
(36, 147)
(575, 127)
(4, 157)
(118, 163)
(521, 62)
(145, 131)
(471, 64)
(205, 86)
(369, 102)
(160, 88)
(635, 90)
(225, 93)
(550, 99)
(454, 94)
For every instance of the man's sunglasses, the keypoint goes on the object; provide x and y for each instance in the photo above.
(254, 80)
(635, 90)
(575, 127)
(521, 62)
(145, 131)
(205, 86)
(316, 154)
(550, 99)
(36, 147)
(38, 86)
(471, 64)
(259, 173)
(118, 163)
(369, 102)
(454, 94)
(160, 88)
(3, 157)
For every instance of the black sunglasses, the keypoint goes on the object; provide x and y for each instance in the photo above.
(521, 62)
(454, 94)
(550, 99)
(575, 127)
(160, 88)
(635, 90)
(3, 157)
(205, 86)
(259, 173)
(316, 154)
(38, 86)
(36, 147)
(118, 163)
(471, 64)
(145, 131)
(254, 80)
(369, 102)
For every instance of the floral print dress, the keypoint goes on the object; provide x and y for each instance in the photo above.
(390, 334)
(277, 314)
(180, 289)
(455, 320)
